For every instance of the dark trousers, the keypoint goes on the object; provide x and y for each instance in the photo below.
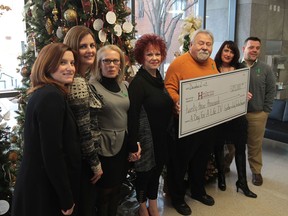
(235, 132)
(147, 183)
(88, 192)
(189, 152)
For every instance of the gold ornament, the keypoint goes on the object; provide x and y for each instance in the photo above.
(13, 156)
(24, 72)
(128, 44)
(55, 13)
(65, 30)
(70, 15)
(49, 26)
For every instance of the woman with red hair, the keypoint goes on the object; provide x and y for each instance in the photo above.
(148, 119)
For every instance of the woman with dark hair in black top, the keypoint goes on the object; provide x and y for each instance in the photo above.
(227, 59)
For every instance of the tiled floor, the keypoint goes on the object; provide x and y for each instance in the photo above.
(272, 195)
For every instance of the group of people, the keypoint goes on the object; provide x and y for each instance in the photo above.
(85, 127)
(190, 153)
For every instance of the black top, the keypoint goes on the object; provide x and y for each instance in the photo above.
(149, 92)
(110, 84)
(49, 175)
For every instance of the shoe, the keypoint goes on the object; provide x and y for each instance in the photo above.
(257, 179)
(182, 208)
(205, 199)
(244, 187)
(221, 182)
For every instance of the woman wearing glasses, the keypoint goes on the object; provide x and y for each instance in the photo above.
(107, 82)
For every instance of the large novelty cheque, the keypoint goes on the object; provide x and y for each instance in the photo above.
(211, 100)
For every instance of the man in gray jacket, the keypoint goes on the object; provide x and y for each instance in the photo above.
(262, 87)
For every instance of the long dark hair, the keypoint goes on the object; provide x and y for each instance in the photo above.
(231, 45)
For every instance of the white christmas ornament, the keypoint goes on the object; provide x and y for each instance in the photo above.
(111, 17)
(127, 27)
(133, 70)
(102, 36)
(4, 207)
(59, 33)
(132, 42)
(98, 24)
(118, 30)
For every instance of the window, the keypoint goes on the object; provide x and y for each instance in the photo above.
(177, 8)
(220, 19)
(11, 40)
(140, 8)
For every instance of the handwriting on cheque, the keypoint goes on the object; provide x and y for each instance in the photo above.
(208, 103)
(212, 100)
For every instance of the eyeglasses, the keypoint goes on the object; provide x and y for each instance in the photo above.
(108, 61)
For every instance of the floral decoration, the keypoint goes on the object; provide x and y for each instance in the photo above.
(189, 26)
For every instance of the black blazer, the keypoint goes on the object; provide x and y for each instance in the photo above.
(49, 175)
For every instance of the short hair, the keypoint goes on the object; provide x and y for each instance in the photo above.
(203, 31)
(100, 53)
(253, 39)
(144, 41)
(231, 45)
(47, 62)
(74, 36)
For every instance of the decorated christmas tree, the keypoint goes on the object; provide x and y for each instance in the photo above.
(48, 21)
(10, 153)
(10, 157)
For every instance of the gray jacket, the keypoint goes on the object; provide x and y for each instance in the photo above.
(262, 86)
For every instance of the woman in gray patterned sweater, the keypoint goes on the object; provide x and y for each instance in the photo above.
(81, 39)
